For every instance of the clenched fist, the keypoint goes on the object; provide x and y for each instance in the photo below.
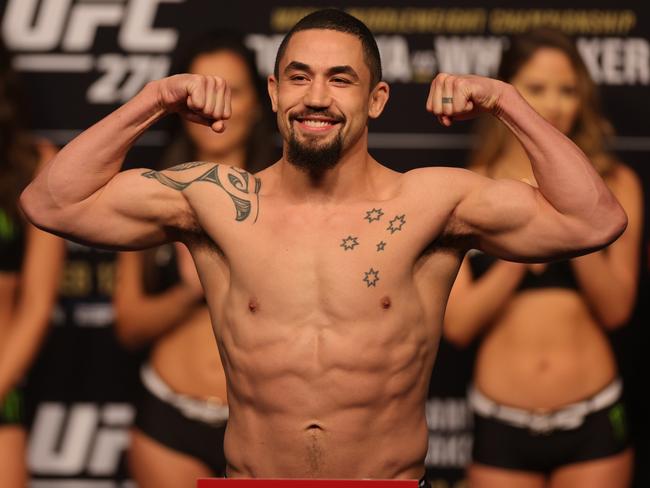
(197, 98)
(456, 97)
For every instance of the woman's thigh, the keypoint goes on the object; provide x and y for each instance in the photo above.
(483, 476)
(13, 466)
(154, 465)
(609, 472)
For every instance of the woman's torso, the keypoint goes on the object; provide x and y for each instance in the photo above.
(545, 348)
(186, 357)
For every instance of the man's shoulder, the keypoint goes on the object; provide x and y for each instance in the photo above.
(436, 177)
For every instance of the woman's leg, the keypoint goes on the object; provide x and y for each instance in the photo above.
(13, 466)
(483, 476)
(154, 465)
(609, 472)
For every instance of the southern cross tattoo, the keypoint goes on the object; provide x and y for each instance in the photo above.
(349, 243)
(381, 246)
(396, 224)
(371, 277)
(374, 214)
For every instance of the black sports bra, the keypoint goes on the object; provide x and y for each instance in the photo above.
(12, 243)
(558, 274)
(161, 269)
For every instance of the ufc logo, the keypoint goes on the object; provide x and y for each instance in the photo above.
(82, 438)
(46, 25)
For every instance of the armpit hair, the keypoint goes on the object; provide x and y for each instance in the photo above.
(197, 238)
(455, 238)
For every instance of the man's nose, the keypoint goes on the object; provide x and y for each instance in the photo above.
(317, 95)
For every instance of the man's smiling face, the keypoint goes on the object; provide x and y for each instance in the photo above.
(322, 97)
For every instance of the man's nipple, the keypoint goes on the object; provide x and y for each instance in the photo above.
(253, 305)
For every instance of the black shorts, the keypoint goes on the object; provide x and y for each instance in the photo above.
(496, 443)
(168, 425)
(12, 408)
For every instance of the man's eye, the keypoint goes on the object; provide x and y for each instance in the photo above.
(341, 80)
(298, 78)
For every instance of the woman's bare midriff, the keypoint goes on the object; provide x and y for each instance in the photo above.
(187, 359)
(544, 351)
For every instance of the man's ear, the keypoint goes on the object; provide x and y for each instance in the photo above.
(272, 87)
(378, 99)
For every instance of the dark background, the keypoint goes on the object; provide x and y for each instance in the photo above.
(82, 384)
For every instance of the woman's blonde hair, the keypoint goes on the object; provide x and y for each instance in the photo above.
(591, 130)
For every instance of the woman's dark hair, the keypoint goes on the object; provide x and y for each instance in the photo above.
(18, 153)
(591, 131)
(259, 147)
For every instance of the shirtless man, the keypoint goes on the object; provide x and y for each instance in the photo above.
(326, 274)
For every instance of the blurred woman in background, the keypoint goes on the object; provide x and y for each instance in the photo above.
(546, 393)
(30, 267)
(181, 417)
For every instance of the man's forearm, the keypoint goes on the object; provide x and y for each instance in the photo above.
(90, 160)
(565, 176)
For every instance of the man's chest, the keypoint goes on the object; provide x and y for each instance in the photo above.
(335, 256)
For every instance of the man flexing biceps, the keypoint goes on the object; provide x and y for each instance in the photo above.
(326, 274)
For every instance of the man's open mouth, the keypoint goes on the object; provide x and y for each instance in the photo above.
(317, 122)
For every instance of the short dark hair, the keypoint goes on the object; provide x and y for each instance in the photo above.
(337, 20)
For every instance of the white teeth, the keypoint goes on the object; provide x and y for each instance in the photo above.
(316, 123)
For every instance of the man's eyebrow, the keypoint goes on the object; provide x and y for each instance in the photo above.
(334, 70)
(297, 66)
(343, 70)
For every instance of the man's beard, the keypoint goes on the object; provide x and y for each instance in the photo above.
(312, 157)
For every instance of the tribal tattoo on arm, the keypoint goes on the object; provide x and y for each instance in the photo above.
(242, 187)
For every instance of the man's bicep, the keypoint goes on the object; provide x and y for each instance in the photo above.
(512, 220)
(134, 210)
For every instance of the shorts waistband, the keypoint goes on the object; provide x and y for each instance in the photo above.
(192, 408)
(422, 482)
(566, 418)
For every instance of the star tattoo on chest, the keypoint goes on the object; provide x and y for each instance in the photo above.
(381, 246)
(349, 243)
(374, 214)
(396, 224)
(371, 277)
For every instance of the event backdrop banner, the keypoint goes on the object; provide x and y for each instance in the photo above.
(80, 59)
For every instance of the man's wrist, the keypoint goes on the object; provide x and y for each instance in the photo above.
(507, 97)
(151, 93)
